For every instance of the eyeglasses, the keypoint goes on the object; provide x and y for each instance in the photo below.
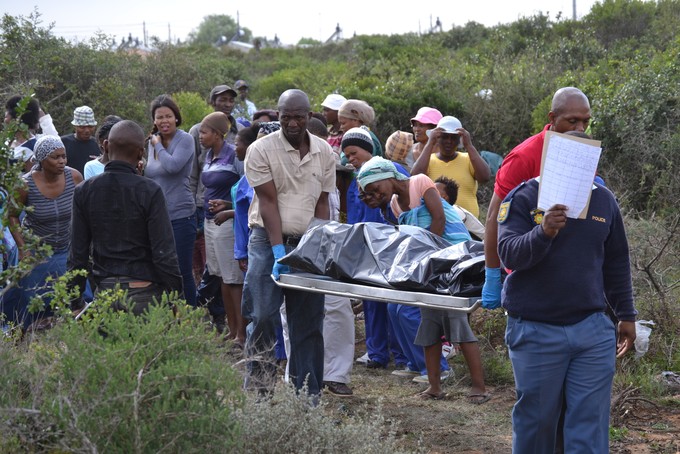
(367, 195)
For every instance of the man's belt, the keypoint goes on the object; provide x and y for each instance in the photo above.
(124, 282)
(291, 240)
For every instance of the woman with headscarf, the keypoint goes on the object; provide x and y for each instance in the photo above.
(171, 153)
(49, 194)
(358, 148)
(416, 201)
(355, 113)
(404, 320)
(221, 171)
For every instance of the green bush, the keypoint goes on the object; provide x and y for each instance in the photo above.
(193, 108)
(159, 382)
(122, 383)
(615, 20)
(287, 424)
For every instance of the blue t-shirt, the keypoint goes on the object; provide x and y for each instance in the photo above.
(242, 196)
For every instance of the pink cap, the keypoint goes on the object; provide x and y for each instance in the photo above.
(428, 116)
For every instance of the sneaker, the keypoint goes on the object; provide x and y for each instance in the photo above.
(405, 372)
(337, 388)
(363, 359)
(423, 378)
(448, 350)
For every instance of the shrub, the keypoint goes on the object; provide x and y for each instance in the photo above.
(193, 108)
(159, 382)
(288, 424)
(654, 250)
(122, 383)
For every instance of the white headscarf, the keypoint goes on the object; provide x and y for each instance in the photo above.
(45, 146)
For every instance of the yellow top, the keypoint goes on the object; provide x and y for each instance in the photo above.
(461, 171)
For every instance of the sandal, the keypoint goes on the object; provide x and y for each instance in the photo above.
(428, 396)
(478, 398)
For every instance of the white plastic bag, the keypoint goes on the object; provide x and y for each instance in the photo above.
(643, 329)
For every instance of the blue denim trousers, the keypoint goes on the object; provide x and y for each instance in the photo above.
(184, 230)
(551, 362)
(381, 341)
(16, 300)
(305, 312)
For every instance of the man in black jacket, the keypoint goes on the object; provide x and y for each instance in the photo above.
(123, 218)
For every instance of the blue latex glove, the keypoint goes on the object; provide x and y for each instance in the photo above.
(491, 292)
(279, 251)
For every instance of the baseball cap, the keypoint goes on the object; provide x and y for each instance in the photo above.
(449, 124)
(218, 90)
(240, 84)
(428, 116)
(333, 101)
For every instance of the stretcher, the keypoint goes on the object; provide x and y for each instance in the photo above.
(308, 282)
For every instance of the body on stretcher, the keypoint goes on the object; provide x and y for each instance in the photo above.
(308, 282)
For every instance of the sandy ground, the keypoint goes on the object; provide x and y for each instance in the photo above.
(454, 425)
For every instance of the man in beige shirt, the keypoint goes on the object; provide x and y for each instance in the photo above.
(292, 173)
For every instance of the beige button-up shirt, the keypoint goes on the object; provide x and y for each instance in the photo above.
(299, 182)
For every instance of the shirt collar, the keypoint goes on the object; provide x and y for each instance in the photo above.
(120, 166)
(289, 147)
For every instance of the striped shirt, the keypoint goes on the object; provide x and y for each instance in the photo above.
(50, 219)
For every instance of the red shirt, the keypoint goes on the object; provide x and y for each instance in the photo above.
(521, 164)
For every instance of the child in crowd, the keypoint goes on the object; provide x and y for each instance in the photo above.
(448, 189)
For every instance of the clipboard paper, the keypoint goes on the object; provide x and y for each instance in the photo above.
(568, 167)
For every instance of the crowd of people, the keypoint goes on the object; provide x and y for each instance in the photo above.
(208, 213)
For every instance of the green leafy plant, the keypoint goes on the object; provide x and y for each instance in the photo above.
(131, 384)
(193, 108)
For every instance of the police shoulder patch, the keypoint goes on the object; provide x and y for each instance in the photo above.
(503, 211)
(537, 216)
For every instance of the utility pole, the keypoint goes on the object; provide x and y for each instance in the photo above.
(144, 31)
(169, 34)
(574, 8)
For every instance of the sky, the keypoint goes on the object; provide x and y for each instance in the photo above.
(79, 20)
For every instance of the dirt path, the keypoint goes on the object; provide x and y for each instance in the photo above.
(453, 425)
